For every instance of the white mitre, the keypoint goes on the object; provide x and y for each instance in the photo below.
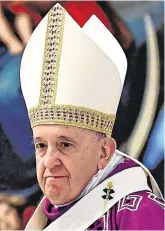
(72, 75)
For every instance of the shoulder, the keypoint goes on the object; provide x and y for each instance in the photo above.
(139, 211)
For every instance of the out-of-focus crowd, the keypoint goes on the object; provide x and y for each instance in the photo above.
(19, 190)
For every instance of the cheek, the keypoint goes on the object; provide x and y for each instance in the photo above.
(83, 165)
(40, 169)
(89, 162)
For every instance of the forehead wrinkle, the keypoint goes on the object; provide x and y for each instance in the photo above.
(75, 134)
(41, 136)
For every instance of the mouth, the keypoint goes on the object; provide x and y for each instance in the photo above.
(53, 180)
(54, 177)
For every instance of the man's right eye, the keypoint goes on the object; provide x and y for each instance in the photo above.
(40, 146)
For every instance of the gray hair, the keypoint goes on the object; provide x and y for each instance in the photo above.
(98, 136)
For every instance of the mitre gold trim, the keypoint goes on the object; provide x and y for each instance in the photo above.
(73, 116)
(52, 54)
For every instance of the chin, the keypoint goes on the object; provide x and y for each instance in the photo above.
(59, 196)
(56, 198)
(57, 201)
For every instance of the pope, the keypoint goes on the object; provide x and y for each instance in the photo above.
(72, 78)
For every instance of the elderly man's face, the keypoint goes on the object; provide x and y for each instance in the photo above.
(67, 158)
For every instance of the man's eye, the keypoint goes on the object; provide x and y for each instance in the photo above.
(40, 145)
(66, 144)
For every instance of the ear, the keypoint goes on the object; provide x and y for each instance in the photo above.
(107, 150)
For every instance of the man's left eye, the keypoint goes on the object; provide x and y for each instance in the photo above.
(66, 144)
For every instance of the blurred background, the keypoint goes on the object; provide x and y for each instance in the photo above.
(139, 127)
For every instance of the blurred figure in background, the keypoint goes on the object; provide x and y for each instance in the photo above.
(24, 28)
(9, 217)
(26, 16)
(13, 213)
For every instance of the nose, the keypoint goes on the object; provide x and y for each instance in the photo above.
(52, 159)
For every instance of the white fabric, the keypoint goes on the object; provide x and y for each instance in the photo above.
(86, 74)
(93, 205)
(32, 64)
(87, 77)
(155, 186)
(113, 50)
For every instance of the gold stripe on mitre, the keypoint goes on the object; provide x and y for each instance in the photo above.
(52, 54)
(47, 111)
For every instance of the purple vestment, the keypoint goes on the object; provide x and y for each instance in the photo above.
(137, 211)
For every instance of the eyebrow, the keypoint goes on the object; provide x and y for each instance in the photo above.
(59, 137)
(67, 138)
(37, 139)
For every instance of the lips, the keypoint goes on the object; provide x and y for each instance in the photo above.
(53, 180)
(55, 177)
